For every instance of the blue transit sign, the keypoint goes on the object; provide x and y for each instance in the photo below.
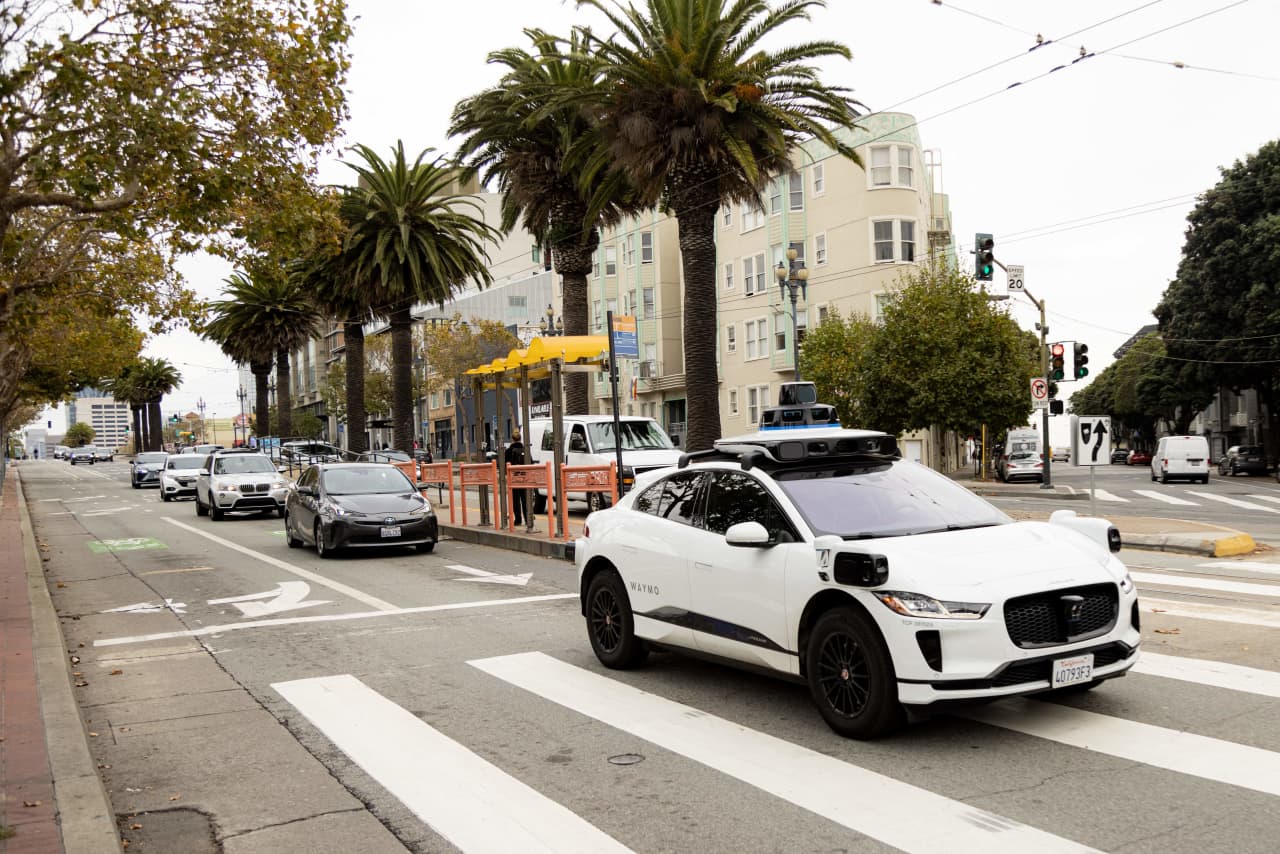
(625, 343)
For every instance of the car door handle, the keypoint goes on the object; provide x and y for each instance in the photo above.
(701, 565)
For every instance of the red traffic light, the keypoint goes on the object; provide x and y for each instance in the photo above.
(1058, 350)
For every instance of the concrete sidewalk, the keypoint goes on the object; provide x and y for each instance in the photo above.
(51, 797)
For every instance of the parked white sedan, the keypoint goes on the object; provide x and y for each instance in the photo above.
(822, 555)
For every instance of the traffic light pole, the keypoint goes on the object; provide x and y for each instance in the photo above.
(1047, 483)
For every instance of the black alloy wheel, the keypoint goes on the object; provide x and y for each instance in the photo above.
(215, 513)
(610, 624)
(290, 540)
(201, 510)
(850, 675)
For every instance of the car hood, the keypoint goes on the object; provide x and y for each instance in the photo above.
(1003, 560)
(652, 458)
(384, 502)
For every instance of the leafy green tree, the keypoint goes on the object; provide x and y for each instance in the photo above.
(698, 109)
(1219, 317)
(518, 133)
(135, 132)
(834, 358)
(78, 435)
(455, 347)
(947, 357)
(413, 241)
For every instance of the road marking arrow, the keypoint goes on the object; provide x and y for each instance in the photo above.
(288, 596)
(149, 608)
(484, 576)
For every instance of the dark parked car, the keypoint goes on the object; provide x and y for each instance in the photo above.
(145, 469)
(1119, 455)
(336, 505)
(1249, 459)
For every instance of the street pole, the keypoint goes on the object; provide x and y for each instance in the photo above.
(795, 280)
(1046, 450)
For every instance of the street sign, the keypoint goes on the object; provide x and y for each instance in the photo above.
(1039, 393)
(1090, 440)
(1016, 280)
(625, 344)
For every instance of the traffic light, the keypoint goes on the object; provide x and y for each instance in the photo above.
(984, 259)
(1053, 390)
(173, 419)
(1057, 357)
(1056, 407)
(1081, 360)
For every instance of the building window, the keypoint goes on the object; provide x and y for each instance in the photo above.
(612, 305)
(731, 338)
(819, 180)
(649, 310)
(646, 247)
(611, 260)
(753, 274)
(757, 402)
(780, 333)
(651, 353)
(895, 240)
(595, 265)
(629, 251)
(448, 397)
(535, 254)
(820, 249)
(752, 217)
(726, 219)
(597, 318)
(882, 302)
(728, 277)
(775, 196)
(892, 166)
(823, 312)
(733, 401)
(797, 191)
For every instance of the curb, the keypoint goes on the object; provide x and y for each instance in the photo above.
(1227, 544)
(84, 814)
(540, 546)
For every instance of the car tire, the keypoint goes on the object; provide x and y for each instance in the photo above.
(322, 551)
(1164, 477)
(215, 513)
(280, 511)
(845, 658)
(425, 548)
(201, 510)
(611, 625)
(289, 539)
(164, 496)
(540, 501)
(596, 501)
(1205, 480)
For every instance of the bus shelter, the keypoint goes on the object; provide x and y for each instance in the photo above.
(549, 356)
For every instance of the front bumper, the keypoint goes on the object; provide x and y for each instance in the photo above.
(366, 531)
(231, 501)
(177, 488)
(151, 478)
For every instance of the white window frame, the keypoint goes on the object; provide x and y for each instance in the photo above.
(892, 172)
(727, 219)
(820, 249)
(757, 402)
(733, 401)
(819, 180)
(795, 187)
(881, 300)
(648, 302)
(731, 338)
(728, 276)
(749, 336)
(762, 338)
(780, 326)
(646, 247)
(752, 217)
(899, 244)
(629, 251)
(775, 196)
(753, 278)
(824, 311)
(611, 260)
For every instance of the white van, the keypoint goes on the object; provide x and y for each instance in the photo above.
(589, 441)
(1181, 456)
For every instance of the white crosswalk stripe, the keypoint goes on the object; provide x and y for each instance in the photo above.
(1272, 498)
(1103, 495)
(1234, 502)
(1214, 673)
(1255, 566)
(1217, 613)
(819, 783)
(1166, 498)
(1155, 579)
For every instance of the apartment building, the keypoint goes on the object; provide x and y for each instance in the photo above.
(108, 417)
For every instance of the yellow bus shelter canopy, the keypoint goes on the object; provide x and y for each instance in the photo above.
(537, 357)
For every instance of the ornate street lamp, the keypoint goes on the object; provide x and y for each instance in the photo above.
(244, 426)
(795, 279)
(551, 325)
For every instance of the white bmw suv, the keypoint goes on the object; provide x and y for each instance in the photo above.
(238, 480)
(823, 556)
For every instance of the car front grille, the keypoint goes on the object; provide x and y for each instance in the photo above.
(250, 488)
(1044, 619)
(1038, 670)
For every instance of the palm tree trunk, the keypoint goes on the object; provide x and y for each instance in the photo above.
(140, 438)
(695, 204)
(353, 363)
(284, 405)
(573, 263)
(155, 425)
(402, 377)
(262, 394)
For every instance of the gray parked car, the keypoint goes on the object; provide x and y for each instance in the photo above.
(1250, 459)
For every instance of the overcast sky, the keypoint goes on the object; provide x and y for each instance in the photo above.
(1084, 174)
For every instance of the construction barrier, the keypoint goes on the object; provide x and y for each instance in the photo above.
(530, 477)
(476, 474)
(439, 475)
(586, 479)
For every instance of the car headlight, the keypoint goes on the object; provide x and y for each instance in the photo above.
(423, 508)
(916, 605)
(225, 486)
(332, 508)
(279, 482)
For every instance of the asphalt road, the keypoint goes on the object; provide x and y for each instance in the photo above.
(247, 697)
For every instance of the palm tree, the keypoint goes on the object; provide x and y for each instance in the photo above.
(412, 241)
(123, 387)
(695, 112)
(518, 133)
(280, 315)
(152, 379)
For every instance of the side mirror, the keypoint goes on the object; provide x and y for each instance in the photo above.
(282, 469)
(747, 534)
(306, 490)
(203, 472)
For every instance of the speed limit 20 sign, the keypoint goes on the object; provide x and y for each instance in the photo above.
(1090, 440)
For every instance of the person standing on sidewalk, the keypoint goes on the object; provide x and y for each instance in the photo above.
(515, 457)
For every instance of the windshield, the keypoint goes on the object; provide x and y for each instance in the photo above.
(1024, 455)
(186, 461)
(247, 464)
(148, 459)
(366, 480)
(862, 500)
(636, 436)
